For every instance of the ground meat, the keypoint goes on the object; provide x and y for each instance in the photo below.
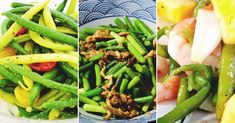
(120, 56)
(91, 53)
(120, 104)
(102, 34)
(90, 39)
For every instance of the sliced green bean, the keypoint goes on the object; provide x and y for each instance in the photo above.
(133, 82)
(60, 104)
(96, 57)
(136, 53)
(144, 99)
(98, 75)
(69, 70)
(93, 92)
(123, 86)
(93, 108)
(61, 6)
(86, 100)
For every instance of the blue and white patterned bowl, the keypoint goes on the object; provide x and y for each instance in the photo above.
(93, 13)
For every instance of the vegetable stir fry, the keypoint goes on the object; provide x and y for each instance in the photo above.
(196, 58)
(38, 60)
(117, 69)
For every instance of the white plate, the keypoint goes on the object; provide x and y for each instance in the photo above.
(6, 108)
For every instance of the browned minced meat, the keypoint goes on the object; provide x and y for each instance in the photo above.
(91, 53)
(120, 104)
(120, 56)
(102, 34)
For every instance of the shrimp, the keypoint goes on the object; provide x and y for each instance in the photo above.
(179, 47)
(169, 89)
(162, 67)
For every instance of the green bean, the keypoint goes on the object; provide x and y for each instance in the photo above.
(69, 70)
(162, 51)
(3, 83)
(111, 64)
(96, 57)
(162, 32)
(6, 73)
(60, 104)
(82, 36)
(18, 47)
(89, 31)
(136, 53)
(41, 115)
(98, 75)
(187, 106)
(115, 68)
(134, 36)
(5, 25)
(86, 66)
(86, 100)
(21, 9)
(41, 80)
(106, 43)
(173, 64)
(117, 37)
(144, 99)
(146, 106)
(130, 72)
(133, 82)
(136, 27)
(96, 98)
(119, 22)
(119, 48)
(139, 68)
(200, 5)
(22, 38)
(123, 86)
(136, 45)
(61, 6)
(144, 28)
(183, 92)
(136, 92)
(46, 97)
(93, 108)
(43, 30)
(18, 4)
(93, 92)
(119, 79)
(114, 29)
(128, 22)
(86, 83)
(152, 70)
(120, 71)
(102, 103)
(191, 82)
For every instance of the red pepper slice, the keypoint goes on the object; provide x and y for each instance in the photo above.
(21, 31)
(43, 67)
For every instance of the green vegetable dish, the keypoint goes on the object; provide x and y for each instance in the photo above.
(117, 62)
(38, 60)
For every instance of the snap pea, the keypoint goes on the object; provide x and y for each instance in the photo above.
(60, 104)
(93, 92)
(43, 30)
(69, 70)
(226, 78)
(61, 6)
(86, 100)
(41, 80)
(136, 53)
(98, 75)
